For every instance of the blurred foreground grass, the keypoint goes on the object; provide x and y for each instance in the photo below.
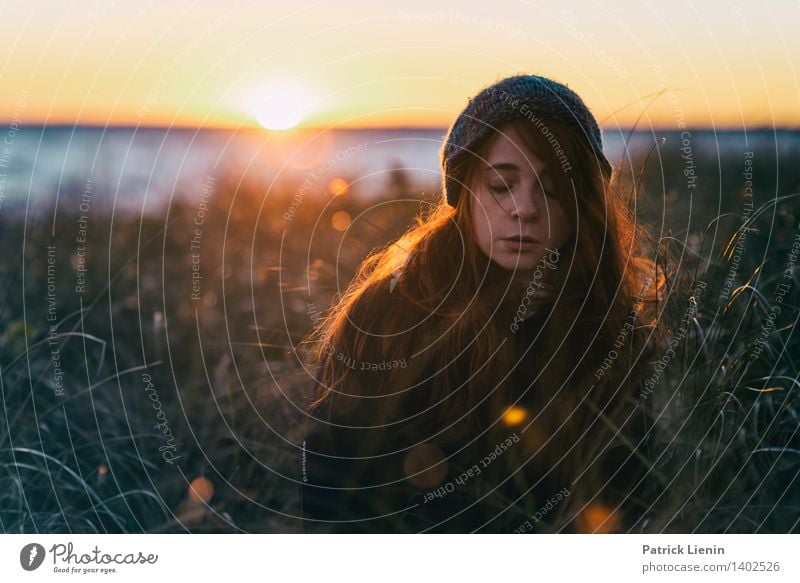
(147, 404)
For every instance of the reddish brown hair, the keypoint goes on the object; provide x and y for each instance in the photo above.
(434, 300)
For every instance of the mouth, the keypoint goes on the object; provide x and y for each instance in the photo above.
(520, 239)
(519, 243)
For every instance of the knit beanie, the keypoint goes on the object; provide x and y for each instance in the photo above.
(528, 97)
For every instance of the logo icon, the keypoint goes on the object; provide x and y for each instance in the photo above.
(31, 556)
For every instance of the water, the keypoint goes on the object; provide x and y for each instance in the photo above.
(142, 169)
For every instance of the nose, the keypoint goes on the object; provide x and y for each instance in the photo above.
(526, 207)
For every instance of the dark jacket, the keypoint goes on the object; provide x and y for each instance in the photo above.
(504, 479)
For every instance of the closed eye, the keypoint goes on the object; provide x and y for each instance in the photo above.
(501, 188)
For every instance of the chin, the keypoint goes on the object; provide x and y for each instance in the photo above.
(526, 262)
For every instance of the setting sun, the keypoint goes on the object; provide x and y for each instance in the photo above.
(281, 109)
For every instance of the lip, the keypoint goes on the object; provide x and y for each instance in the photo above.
(518, 243)
(522, 238)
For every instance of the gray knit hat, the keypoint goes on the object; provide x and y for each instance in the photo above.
(522, 96)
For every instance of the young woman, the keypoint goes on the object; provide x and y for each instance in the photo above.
(482, 373)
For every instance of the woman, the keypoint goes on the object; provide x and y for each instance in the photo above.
(480, 374)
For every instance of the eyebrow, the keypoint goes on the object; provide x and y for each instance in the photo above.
(510, 166)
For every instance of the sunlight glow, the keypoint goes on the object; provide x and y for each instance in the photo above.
(281, 109)
(514, 416)
(338, 186)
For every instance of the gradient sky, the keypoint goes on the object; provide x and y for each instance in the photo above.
(358, 64)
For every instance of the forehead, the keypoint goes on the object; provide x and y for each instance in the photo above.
(507, 148)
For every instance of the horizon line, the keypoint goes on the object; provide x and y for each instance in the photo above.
(316, 129)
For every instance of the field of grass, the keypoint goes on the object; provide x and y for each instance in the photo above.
(138, 396)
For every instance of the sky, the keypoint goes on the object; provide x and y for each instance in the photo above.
(348, 63)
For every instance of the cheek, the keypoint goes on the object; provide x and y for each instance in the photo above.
(481, 224)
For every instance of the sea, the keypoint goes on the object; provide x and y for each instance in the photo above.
(141, 169)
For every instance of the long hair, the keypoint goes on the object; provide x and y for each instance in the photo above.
(432, 310)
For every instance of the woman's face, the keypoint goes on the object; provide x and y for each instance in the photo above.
(516, 218)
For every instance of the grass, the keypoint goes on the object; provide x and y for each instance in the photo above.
(232, 388)
(729, 426)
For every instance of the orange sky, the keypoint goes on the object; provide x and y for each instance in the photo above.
(356, 64)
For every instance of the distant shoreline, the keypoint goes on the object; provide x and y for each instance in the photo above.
(158, 128)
